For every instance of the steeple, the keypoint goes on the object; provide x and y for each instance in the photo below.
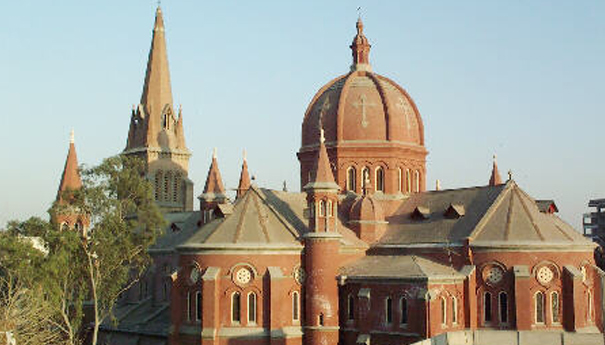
(214, 190)
(495, 179)
(244, 178)
(361, 50)
(321, 175)
(70, 179)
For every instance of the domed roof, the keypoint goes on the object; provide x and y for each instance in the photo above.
(373, 107)
(366, 208)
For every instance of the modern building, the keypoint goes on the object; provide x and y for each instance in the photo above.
(594, 222)
(364, 253)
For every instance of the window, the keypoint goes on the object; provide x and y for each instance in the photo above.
(64, 226)
(351, 175)
(158, 185)
(167, 185)
(379, 179)
(399, 180)
(176, 187)
(78, 226)
(235, 307)
(403, 308)
(322, 208)
(351, 308)
(554, 305)
(416, 181)
(365, 176)
(329, 208)
(443, 311)
(487, 307)
(198, 306)
(320, 319)
(408, 181)
(454, 310)
(503, 307)
(295, 306)
(389, 310)
(252, 307)
(539, 307)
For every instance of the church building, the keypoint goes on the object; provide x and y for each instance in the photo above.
(363, 254)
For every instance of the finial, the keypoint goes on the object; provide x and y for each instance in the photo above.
(510, 175)
(322, 138)
(437, 185)
(494, 158)
(285, 188)
(359, 13)
(214, 153)
(72, 137)
(244, 154)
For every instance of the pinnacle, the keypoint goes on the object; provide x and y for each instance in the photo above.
(214, 189)
(244, 179)
(495, 178)
(70, 179)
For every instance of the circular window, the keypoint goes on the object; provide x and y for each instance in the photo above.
(299, 275)
(243, 276)
(545, 275)
(194, 276)
(494, 275)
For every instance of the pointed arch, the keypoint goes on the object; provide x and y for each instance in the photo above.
(236, 307)
(252, 307)
(539, 307)
(379, 179)
(295, 306)
(351, 179)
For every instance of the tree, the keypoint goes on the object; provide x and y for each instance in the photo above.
(97, 264)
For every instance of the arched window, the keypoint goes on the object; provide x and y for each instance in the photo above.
(403, 308)
(408, 181)
(539, 307)
(322, 208)
(365, 175)
(64, 226)
(158, 185)
(329, 208)
(78, 226)
(351, 175)
(487, 307)
(388, 306)
(165, 120)
(454, 310)
(554, 305)
(167, 185)
(503, 307)
(416, 181)
(350, 307)
(295, 306)
(176, 187)
(379, 173)
(198, 306)
(443, 311)
(235, 307)
(251, 307)
(399, 180)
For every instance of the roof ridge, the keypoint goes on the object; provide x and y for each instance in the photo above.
(261, 221)
(529, 215)
(240, 221)
(279, 216)
(490, 211)
(414, 257)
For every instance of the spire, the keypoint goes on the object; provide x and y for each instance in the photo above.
(70, 179)
(361, 50)
(321, 175)
(157, 93)
(495, 177)
(244, 178)
(214, 190)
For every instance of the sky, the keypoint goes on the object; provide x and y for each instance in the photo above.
(520, 79)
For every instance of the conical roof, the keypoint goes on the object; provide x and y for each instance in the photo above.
(494, 178)
(214, 189)
(244, 179)
(321, 175)
(70, 179)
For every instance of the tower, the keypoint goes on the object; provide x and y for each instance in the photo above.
(64, 213)
(156, 132)
(214, 191)
(322, 245)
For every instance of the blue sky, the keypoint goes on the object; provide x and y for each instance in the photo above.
(523, 79)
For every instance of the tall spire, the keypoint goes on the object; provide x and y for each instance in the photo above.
(214, 189)
(495, 179)
(70, 179)
(321, 175)
(244, 178)
(361, 50)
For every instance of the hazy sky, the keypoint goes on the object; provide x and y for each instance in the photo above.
(523, 79)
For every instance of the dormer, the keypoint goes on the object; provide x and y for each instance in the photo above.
(420, 213)
(454, 211)
(547, 206)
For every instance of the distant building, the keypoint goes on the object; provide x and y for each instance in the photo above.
(594, 222)
(364, 254)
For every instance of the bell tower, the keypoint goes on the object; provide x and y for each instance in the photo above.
(156, 131)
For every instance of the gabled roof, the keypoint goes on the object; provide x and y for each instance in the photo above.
(262, 219)
(501, 215)
(408, 267)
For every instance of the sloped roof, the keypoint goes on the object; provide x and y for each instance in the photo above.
(180, 226)
(494, 215)
(398, 267)
(262, 219)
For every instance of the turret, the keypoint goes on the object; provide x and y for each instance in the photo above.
(366, 216)
(495, 178)
(322, 247)
(214, 191)
(244, 179)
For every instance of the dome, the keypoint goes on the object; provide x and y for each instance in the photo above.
(365, 208)
(362, 106)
